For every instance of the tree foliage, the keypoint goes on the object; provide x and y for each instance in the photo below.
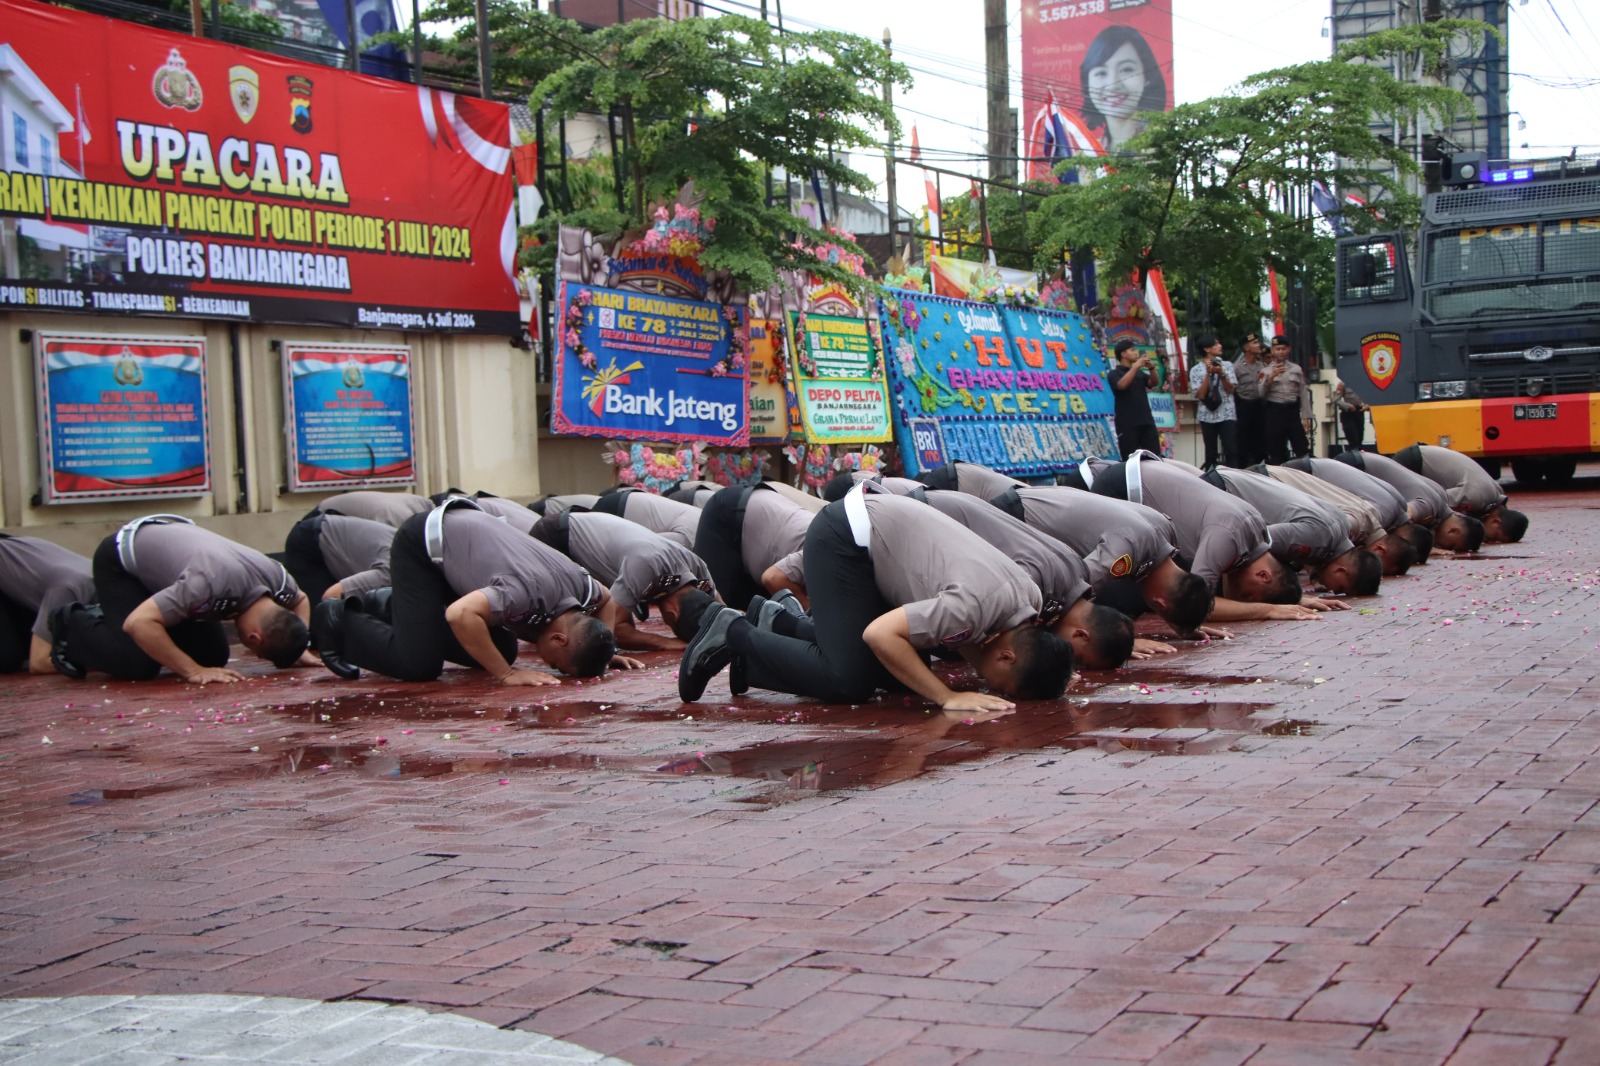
(717, 102)
(1200, 191)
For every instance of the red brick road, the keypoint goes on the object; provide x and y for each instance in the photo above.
(1371, 839)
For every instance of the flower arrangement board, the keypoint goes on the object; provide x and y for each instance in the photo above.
(838, 379)
(636, 366)
(1019, 390)
(769, 402)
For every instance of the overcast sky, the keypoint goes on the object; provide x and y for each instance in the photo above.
(1215, 45)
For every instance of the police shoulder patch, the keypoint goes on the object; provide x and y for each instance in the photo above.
(957, 638)
(1123, 566)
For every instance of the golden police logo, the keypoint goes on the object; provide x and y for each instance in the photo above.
(126, 370)
(300, 103)
(176, 86)
(1380, 357)
(244, 90)
(1123, 566)
(353, 377)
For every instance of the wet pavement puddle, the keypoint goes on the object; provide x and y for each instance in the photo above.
(1143, 710)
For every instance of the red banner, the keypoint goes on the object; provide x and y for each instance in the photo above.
(1088, 68)
(154, 173)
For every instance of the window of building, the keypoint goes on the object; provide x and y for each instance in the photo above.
(19, 139)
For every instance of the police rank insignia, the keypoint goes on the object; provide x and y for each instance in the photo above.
(175, 86)
(300, 103)
(244, 90)
(1123, 566)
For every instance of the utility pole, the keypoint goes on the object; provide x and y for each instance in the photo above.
(484, 81)
(888, 145)
(1002, 140)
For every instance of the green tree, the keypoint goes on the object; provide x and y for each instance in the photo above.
(1198, 192)
(717, 102)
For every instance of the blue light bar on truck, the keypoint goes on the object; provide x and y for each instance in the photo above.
(1500, 177)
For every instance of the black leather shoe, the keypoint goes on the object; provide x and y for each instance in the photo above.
(58, 642)
(707, 653)
(378, 603)
(327, 637)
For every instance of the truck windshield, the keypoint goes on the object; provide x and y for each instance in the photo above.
(1548, 266)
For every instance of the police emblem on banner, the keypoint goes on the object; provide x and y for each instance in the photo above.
(300, 103)
(352, 377)
(1380, 356)
(244, 89)
(175, 86)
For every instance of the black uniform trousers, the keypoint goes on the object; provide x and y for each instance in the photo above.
(1286, 436)
(719, 540)
(417, 641)
(1354, 424)
(16, 632)
(97, 642)
(302, 556)
(1134, 438)
(615, 502)
(1410, 458)
(1252, 430)
(829, 661)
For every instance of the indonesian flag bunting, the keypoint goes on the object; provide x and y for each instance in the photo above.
(1160, 304)
(927, 182)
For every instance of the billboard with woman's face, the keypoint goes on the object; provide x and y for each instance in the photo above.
(1089, 69)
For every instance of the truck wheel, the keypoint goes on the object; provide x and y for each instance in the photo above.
(1528, 471)
(1560, 471)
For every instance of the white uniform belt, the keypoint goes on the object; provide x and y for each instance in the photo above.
(855, 512)
(125, 534)
(433, 530)
(1135, 482)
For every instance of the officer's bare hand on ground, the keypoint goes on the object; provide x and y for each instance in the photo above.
(1291, 612)
(975, 701)
(308, 658)
(528, 678)
(622, 662)
(219, 675)
(1145, 649)
(1320, 603)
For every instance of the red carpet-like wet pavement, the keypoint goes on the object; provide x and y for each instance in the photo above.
(1368, 839)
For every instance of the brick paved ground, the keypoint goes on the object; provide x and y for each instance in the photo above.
(1371, 839)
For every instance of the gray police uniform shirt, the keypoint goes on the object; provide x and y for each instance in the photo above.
(982, 482)
(525, 582)
(518, 517)
(1248, 378)
(1302, 529)
(1385, 498)
(774, 534)
(40, 576)
(1467, 486)
(1217, 532)
(1062, 577)
(557, 504)
(955, 588)
(1115, 538)
(795, 496)
(1426, 502)
(356, 552)
(638, 565)
(678, 522)
(193, 573)
(1361, 518)
(390, 508)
